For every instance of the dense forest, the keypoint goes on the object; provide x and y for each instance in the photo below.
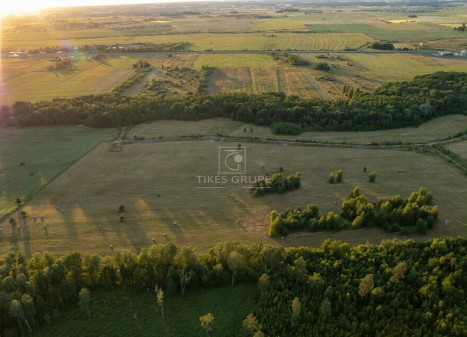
(392, 289)
(393, 105)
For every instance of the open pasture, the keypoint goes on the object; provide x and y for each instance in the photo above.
(45, 152)
(29, 79)
(159, 185)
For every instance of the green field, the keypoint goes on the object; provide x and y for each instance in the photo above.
(158, 184)
(45, 152)
(436, 129)
(122, 313)
(391, 31)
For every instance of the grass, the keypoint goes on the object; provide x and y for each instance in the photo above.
(401, 67)
(124, 313)
(175, 129)
(459, 148)
(157, 183)
(233, 60)
(298, 84)
(230, 80)
(45, 152)
(25, 79)
(264, 79)
(436, 129)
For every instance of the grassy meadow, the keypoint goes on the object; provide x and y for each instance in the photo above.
(459, 148)
(45, 153)
(158, 184)
(436, 129)
(124, 313)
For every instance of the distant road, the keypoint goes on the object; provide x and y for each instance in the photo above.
(366, 51)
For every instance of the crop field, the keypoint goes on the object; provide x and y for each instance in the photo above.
(26, 79)
(122, 313)
(196, 24)
(214, 41)
(315, 41)
(298, 84)
(230, 80)
(45, 152)
(160, 187)
(277, 25)
(233, 60)
(264, 79)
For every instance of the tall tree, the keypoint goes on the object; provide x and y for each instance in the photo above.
(296, 310)
(160, 298)
(234, 262)
(84, 300)
(207, 322)
(263, 282)
(367, 284)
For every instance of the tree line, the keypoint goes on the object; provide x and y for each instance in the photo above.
(393, 214)
(393, 105)
(395, 288)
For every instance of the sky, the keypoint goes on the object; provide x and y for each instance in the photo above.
(8, 7)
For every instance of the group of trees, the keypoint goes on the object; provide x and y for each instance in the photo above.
(321, 66)
(59, 64)
(393, 105)
(382, 45)
(395, 288)
(141, 64)
(392, 214)
(203, 82)
(277, 183)
(335, 177)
